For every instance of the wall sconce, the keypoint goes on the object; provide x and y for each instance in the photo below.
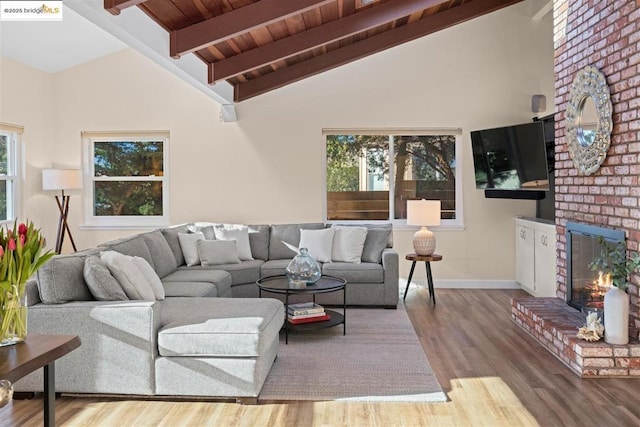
(61, 180)
(423, 213)
(538, 103)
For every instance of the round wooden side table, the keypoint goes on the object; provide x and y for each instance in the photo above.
(427, 261)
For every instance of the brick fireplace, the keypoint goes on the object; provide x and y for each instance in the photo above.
(606, 35)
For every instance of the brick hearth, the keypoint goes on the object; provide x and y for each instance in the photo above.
(554, 324)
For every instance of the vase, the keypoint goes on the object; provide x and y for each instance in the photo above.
(616, 316)
(13, 318)
(303, 270)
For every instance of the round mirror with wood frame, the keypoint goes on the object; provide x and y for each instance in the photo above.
(589, 120)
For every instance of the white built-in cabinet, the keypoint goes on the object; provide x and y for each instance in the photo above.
(536, 257)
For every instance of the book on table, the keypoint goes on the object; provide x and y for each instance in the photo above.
(304, 308)
(320, 317)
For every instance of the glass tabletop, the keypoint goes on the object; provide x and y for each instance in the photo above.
(280, 284)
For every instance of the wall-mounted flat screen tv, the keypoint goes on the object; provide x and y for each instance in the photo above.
(511, 158)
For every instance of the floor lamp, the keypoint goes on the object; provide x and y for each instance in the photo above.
(61, 180)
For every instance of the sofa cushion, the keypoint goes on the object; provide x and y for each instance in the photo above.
(241, 236)
(188, 243)
(318, 242)
(61, 279)
(150, 276)
(219, 327)
(206, 228)
(132, 246)
(171, 236)
(101, 283)
(365, 272)
(245, 272)
(164, 262)
(189, 289)
(379, 237)
(131, 279)
(274, 267)
(259, 241)
(289, 233)
(220, 278)
(348, 243)
(217, 252)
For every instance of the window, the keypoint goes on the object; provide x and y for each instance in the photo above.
(371, 175)
(125, 179)
(9, 172)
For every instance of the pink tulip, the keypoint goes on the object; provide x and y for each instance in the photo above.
(23, 238)
(1, 251)
(12, 244)
(22, 229)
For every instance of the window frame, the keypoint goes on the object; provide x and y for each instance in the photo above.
(92, 221)
(14, 164)
(453, 224)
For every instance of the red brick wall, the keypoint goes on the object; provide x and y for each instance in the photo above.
(605, 34)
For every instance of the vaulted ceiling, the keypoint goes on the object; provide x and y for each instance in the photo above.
(260, 45)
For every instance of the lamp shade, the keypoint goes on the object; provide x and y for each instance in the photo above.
(61, 179)
(423, 212)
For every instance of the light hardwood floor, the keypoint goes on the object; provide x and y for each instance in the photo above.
(493, 373)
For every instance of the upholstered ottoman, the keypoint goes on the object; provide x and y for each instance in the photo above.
(217, 346)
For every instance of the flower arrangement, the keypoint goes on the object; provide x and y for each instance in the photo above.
(613, 259)
(21, 255)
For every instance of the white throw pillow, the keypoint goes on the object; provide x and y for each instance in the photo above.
(348, 243)
(150, 274)
(241, 236)
(318, 242)
(218, 252)
(188, 244)
(133, 282)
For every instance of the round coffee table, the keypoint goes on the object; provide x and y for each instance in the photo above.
(280, 285)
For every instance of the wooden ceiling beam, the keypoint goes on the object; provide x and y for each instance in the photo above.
(114, 7)
(315, 37)
(366, 47)
(232, 24)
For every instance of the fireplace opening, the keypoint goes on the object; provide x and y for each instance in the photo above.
(585, 287)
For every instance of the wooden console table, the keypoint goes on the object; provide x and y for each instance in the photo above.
(37, 351)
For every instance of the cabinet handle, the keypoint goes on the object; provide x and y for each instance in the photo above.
(543, 240)
(523, 234)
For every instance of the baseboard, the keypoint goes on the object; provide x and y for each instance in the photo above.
(466, 284)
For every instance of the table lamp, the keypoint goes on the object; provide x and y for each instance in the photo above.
(423, 213)
(60, 180)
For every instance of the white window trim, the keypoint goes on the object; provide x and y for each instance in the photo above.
(15, 154)
(122, 222)
(446, 224)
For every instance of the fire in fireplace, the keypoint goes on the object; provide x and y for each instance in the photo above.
(586, 288)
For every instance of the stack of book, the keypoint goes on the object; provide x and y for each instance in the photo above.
(306, 312)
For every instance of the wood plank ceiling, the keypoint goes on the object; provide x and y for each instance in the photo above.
(261, 45)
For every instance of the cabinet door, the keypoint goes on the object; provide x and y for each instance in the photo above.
(545, 264)
(525, 272)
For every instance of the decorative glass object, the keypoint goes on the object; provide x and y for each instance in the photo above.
(13, 317)
(303, 270)
(21, 255)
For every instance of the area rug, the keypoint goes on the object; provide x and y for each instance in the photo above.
(379, 360)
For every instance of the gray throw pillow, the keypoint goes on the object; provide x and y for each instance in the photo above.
(131, 279)
(188, 243)
(374, 244)
(102, 285)
(218, 252)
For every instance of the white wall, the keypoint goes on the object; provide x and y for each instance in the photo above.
(267, 167)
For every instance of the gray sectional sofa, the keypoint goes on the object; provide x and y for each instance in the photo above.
(211, 335)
